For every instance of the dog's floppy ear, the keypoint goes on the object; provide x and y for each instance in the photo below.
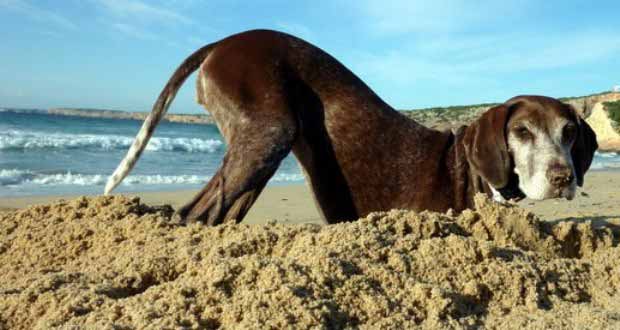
(486, 146)
(583, 149)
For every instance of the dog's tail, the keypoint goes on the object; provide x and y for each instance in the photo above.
(191, 64)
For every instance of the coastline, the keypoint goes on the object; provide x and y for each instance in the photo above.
(288, 203)
(596, 201)
(442, 117)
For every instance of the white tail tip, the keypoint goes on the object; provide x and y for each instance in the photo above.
(110, 185)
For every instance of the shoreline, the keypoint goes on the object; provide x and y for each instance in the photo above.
(596, 201)
(286, 203)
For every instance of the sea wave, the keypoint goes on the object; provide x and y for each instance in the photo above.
(606, 161)
(17, 177)
(23, 111)
(24, 140)
(610, 154)
(14, 177)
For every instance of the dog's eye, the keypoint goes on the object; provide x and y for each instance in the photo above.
(568, 133)
(523, 133)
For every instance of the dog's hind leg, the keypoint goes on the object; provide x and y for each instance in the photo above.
(247, 166)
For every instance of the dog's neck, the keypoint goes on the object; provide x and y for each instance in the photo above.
(470, 182)
(467, 181)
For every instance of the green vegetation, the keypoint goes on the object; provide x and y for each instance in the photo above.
(454, 116)
(563, 99)
(613, 112)
(456, 108)
(451, 116)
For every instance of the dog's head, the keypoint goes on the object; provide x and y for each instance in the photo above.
(531, 146)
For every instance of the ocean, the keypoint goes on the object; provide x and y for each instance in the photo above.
(42, 154)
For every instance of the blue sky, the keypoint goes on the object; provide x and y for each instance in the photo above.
(119, 54)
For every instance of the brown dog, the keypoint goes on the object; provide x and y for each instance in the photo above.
(271, 93)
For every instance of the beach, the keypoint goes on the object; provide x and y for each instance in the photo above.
(73, 259)
(406, 103)
(596, 201)
(122, 262)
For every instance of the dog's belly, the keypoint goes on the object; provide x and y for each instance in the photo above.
(377, 154)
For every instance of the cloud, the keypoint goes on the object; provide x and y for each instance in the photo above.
(437, 16)
(296, 29)
(37, 13)
(134, 31)
(535, 52)
(460, 62)
(142, 11)
(448, 59)
(195, 41)
(151, 21)
(52, 34)
(401, 68)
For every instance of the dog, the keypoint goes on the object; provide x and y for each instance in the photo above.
(271, 93)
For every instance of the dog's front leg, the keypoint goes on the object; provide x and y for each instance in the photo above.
(247, 167)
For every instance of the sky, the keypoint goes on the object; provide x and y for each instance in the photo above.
(118, 54)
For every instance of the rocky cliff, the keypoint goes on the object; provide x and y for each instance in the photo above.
(586, 104)
(602, 112)
(605, 124)
(454, 116)
(113, 114)
(595, 108)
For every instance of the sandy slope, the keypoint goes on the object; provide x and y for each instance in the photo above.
(113, 263)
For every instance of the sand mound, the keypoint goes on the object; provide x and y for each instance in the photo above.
(113, 263)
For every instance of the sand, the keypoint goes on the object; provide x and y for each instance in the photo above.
(287, 204)
(116, 263)
(597, 201)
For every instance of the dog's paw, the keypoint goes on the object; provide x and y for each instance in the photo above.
(178, 219)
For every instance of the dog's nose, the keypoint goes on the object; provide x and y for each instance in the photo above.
(560, 176)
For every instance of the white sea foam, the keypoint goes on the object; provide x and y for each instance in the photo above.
(18, 177)
(14, 177)
(607, 154)
(286, 177)
(606, 161)
(24, 140)
(605, 165)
